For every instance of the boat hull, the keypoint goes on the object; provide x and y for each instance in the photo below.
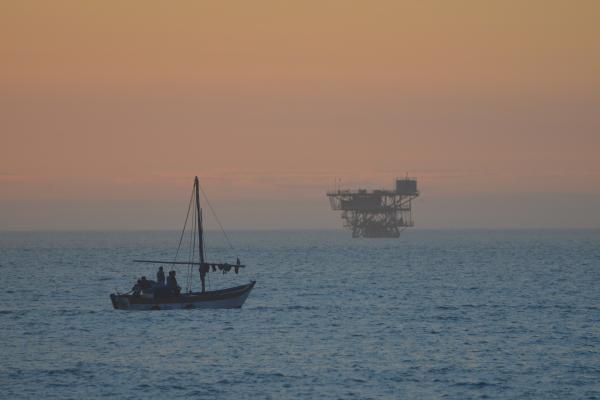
(225, 298)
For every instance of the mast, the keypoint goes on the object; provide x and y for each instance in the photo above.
(199, 214)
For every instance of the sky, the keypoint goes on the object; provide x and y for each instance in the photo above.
(108, 109)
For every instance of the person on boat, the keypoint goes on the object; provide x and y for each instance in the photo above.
(144, 283)
(137, 288)
(160, 276)
(172, 283)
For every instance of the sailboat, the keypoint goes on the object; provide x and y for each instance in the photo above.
(151, 295)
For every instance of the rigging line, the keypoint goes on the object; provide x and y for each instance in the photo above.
(190, 270)
(184, 225)
(189, 254)
(216, 218)
(192, 252)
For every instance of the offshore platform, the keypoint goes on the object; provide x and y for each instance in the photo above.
(379, 213)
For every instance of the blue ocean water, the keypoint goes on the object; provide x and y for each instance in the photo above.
(434, 314)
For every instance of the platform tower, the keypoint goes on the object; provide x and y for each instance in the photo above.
(377, 213)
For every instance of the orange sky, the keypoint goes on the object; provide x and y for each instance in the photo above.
(109, 108)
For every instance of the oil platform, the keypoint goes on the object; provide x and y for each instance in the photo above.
(379, 213)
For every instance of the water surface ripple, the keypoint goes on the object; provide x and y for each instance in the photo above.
(436, 314)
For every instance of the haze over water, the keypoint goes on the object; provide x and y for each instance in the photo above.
(436, 314)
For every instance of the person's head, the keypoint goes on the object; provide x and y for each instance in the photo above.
(160, 268)
(143, 278)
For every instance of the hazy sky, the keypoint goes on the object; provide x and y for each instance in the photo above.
(109, 108)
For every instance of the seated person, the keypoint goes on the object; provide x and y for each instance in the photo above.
(137, 288)
(144, 283)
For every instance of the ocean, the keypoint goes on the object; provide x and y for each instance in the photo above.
(435, 314)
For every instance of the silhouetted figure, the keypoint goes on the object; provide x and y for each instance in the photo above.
(144, 283)
(172, 283)
(160, 276)
(137, 288)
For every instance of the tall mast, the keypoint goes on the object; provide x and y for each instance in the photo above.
(199, 214)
